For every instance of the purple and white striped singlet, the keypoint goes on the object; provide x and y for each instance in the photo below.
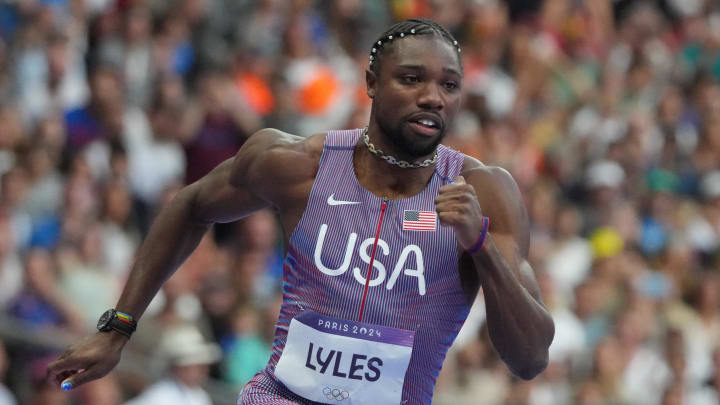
(414, 285)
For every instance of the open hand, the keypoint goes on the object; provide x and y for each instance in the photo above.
(88, 360)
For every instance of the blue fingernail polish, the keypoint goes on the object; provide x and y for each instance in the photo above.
(66, 386)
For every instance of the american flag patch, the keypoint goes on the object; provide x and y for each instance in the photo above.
(419, 220)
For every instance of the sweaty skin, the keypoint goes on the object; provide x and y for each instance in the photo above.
(420, 75)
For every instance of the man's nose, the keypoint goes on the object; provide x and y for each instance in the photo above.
(430, 97)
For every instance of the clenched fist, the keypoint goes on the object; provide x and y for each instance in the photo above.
(457, 206)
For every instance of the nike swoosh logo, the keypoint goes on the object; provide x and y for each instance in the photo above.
(332, 201)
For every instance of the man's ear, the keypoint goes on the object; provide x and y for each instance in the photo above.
(370, 82)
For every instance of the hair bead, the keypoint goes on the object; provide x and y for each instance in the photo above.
(403, 29)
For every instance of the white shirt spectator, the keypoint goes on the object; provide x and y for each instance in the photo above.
(6, 397)
(551, 393)
(645, 377)
(569, 337)
(702, 235)
(118, 249)
(45, 196)
(171, 392)
(704, 396)
(153, 164)
(569, 264)
(11, 279)
(35, 96)
(701, 338)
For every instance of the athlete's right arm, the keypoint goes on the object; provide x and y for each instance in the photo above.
(234, 189)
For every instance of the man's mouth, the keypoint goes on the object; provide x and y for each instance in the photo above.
(427, 122)
(426, 126)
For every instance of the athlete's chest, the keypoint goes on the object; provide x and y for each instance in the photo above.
(345, 235)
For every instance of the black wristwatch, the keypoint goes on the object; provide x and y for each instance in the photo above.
(118, 321)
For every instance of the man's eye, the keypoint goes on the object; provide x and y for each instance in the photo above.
(409, 79)
(451, 85)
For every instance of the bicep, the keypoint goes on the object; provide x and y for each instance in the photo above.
(502, 202)
(509, 212)
(227, 193)
(257, 177)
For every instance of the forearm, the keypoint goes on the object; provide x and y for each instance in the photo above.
(520, 327)
(173, 236)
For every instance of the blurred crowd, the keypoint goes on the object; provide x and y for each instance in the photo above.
(607, 113)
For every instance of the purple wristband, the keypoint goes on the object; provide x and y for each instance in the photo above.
(481, 239)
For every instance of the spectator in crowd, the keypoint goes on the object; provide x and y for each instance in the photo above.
(215, 126)
(246, 350)
(6, 397)
(119, 232)
(13, 190)
(11, 271)
(160, 162)
(188, 357)
(84, 280)
(709, 392)
(51, 76)
(41, 305)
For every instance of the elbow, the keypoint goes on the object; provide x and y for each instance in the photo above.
(532, 368)
(537, 360)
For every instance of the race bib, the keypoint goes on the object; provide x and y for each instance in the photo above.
(336, 361)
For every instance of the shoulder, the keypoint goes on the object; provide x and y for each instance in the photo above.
(271, 152)
(273, 163)
(274, 141)
(499, 196)
(489, 177)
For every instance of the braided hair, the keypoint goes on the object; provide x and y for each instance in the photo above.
(409, 27)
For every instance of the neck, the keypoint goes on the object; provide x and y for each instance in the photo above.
(384, 179)
(382, 141)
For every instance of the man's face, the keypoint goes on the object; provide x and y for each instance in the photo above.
(416, 92)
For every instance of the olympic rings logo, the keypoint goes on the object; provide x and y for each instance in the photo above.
(336, 394)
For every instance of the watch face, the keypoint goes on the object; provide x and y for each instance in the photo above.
(105, 319)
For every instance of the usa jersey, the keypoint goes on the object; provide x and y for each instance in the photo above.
(414, 281)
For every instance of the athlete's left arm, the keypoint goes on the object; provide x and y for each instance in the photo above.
(520, 326)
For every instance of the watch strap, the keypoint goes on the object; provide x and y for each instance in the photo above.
(122, 323)
(125, 318)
